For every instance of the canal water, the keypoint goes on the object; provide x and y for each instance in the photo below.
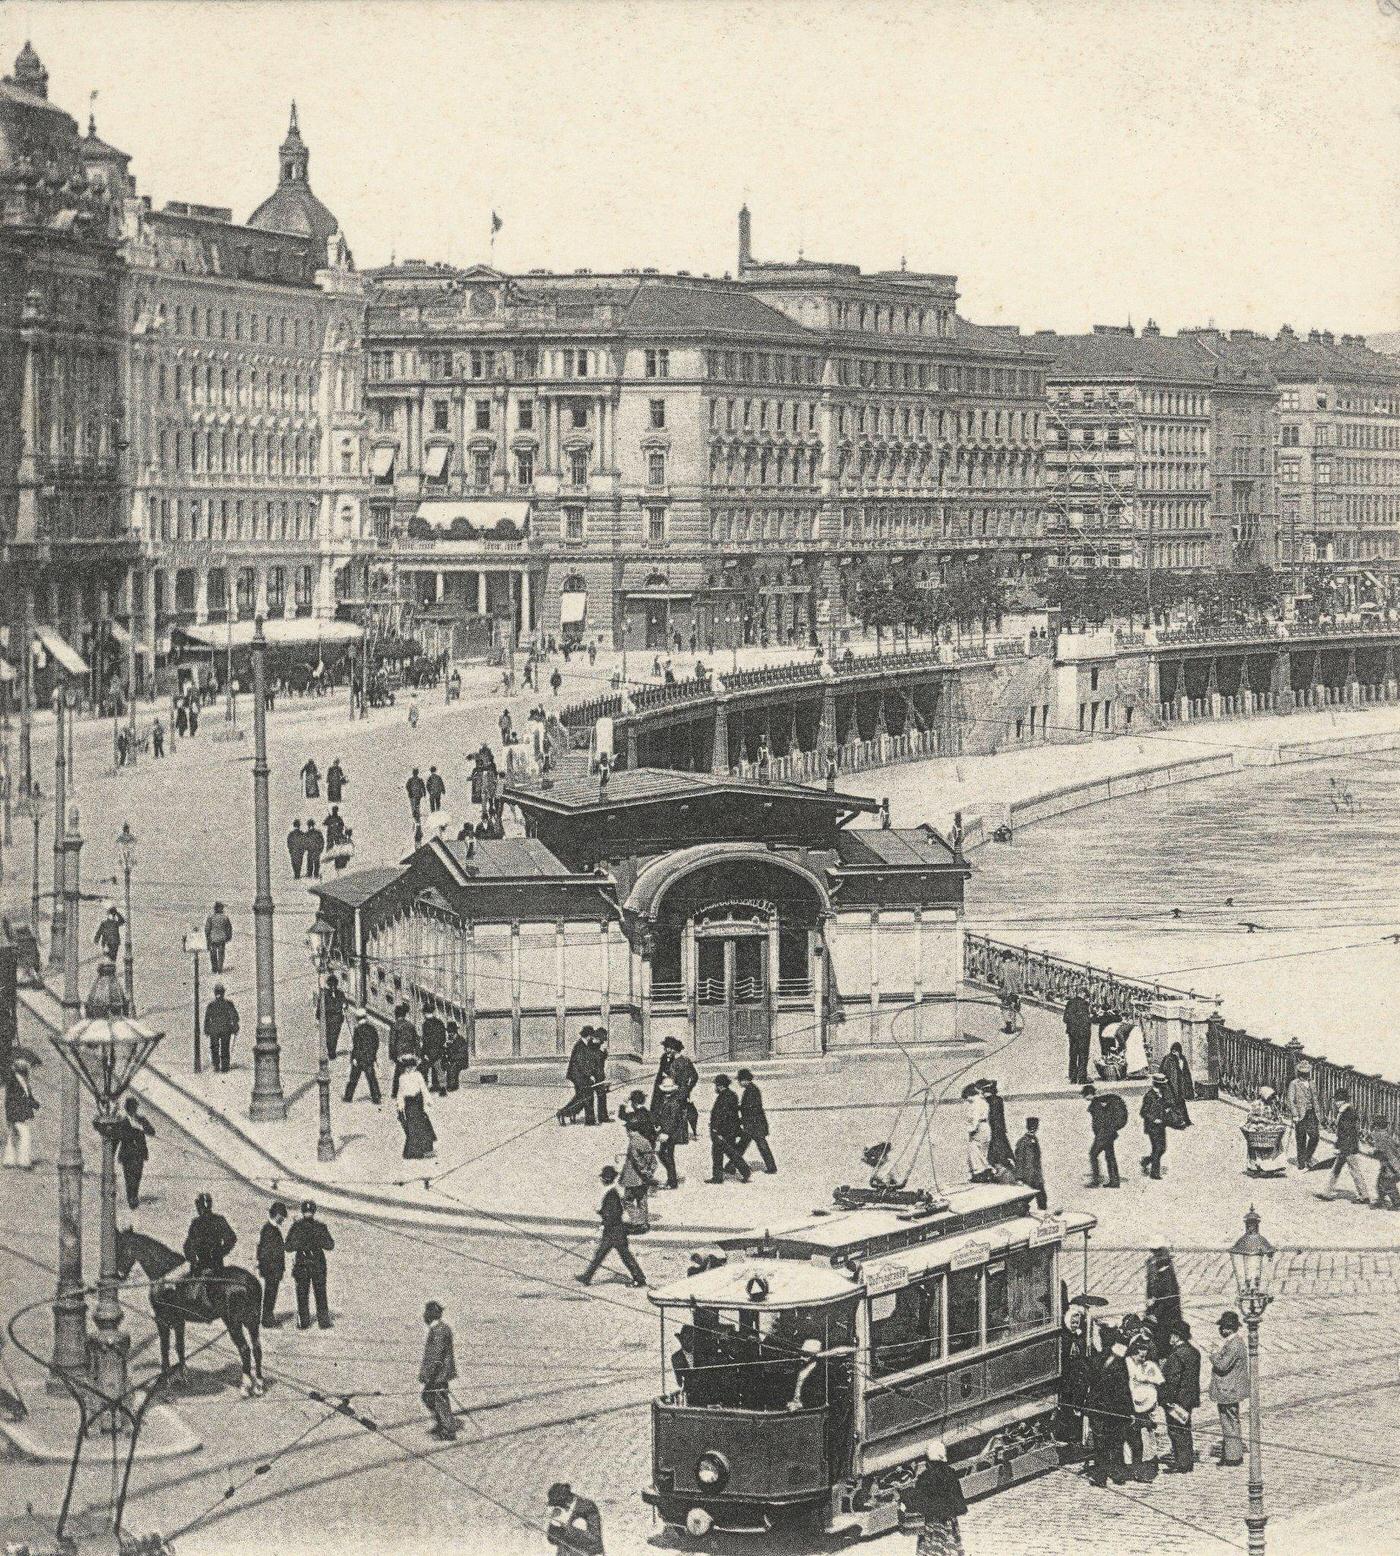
(1274, 889)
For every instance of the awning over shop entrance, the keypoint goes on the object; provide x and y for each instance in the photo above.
(573, 607)
(278, 633)
(53, 643)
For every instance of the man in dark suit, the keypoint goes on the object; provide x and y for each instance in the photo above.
(1110, 1412)
(614, 1234)
(1107, 1114)
(364, 1052)
(580, 1076)
(575, 1525)
(437, 1371)
(272, 1262)
(1179, 1395)
(134, 1129)
(1348, 1132)
(333, 1005)
(725, 1131)
(753, 1121)
(220, 1027)
(309, 1241)
(1154, 1125)
(1079, 1028)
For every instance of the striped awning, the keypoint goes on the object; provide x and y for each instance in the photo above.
(53, 643)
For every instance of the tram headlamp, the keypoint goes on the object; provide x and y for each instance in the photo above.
(712, 1470)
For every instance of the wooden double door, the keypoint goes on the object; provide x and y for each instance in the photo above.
(733, 992)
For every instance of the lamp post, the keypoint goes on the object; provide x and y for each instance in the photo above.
(32, 805)
(126, 848)
(58, 922)
(318, 939)
(1252, 1257)
(267, 1102)
(104, 1050)
(70, 1307)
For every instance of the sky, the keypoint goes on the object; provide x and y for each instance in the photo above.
(1072, 161)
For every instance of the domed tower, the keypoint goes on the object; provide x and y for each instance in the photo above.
(30, 73)
(293, 208)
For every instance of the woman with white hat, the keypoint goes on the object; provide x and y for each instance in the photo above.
(936, 1497)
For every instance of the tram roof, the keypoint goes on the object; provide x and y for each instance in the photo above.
(970, 1249)
(789, 1282)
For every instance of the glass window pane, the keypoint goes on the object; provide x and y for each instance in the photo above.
(964, 1311)
(1031, 1290)
(998, 1304)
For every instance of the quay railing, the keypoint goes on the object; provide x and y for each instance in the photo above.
(809, 767)
(1050, 980)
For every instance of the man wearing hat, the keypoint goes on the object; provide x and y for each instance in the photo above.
(1301, 1101)
(580, 1076)
(676, 1063)
(1029, 1169)
(218, 931)
(599, 1045)
(364, 1054)
(670, 1118)
(1229, 1384)
(20, 1108)
(309, 1241)
(220, 1027)
(1181, 1394)
(437, 1371)
(1154, 1124)
(614, 1234)
(575, 1525)
(753, 1121)
(725, 1133)
(208, 1243)
(272, 1261)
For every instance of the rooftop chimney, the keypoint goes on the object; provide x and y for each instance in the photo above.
(745, 238)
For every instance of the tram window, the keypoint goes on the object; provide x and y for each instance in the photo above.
(906, 1328)
(998, 1304)
(964, 1311)
(1031, 1289)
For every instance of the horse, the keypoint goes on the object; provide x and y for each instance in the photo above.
(232, 1295)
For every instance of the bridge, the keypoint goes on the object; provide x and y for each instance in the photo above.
(795, 721)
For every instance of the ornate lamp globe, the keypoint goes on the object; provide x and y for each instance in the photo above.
(1252, 1257)
(106, 1048)
(320, 937)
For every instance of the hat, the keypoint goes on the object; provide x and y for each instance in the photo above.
(721, 1080)
(1087, 1091)
(586, 1031)
(672, 1042)
(745, 1075)
(277, 1209)
(936, 1452)
(432, 1310)
(308, 1207)
(811, 1347)
(218, 988)
(204, 1202)
(561, 1493)
(608, 1174)
(360, 1012)
(21, 1065)
(1304, 1068)
(1229, 1321)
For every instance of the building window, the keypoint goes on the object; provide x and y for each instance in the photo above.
(277, 590)
(481, 469)
(303, 588)
(483, 415)
(525, 415)
(658, 414)
(218, 591)
(245, 592)
(656, 468)
(525, 467)
(439, 415)
(1288, 437)
(658, 364)
(656, 525)
(573, 522)
(578, 413)
(1322, 472)
(578, 468)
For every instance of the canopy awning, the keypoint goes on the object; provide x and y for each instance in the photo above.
(119, 633)
(279, 634)
(381, 463)
(483, 514)
(51, 641)
(435, 461)
(573, 608)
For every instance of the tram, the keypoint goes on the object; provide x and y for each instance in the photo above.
(812, 1365)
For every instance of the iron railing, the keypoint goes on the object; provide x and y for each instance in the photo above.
(1050, 980)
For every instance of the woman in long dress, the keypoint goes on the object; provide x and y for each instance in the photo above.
(937, 1498)
(1181, 1089)
(419, 1136)
(979, 1133)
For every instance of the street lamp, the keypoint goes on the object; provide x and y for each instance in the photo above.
(126, 847)
(1252, 1257)
(32, 805)
(104, 1050)
(318, 941)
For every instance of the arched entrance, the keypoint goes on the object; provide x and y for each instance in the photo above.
(735, 937)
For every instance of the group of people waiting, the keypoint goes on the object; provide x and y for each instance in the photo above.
(427, 1060)
(333, 839)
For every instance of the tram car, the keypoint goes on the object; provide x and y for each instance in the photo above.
(810, 1367)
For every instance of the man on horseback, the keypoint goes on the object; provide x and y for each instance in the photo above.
(209, 1240)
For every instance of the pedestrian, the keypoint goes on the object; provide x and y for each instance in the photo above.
(1144, 1380)
(637, 1175)
(403, 1043)
(614, 1233)
(296, 849)
(1180, 1395)
(109, 934)
(436, 1372)
(1346, 1129)
(364, 1054)
(1181, 1089)
(158, 738)
(669, 1113)
(999, 1152)
(725, 1132)
(315, 846)
(556, 680)
(419, 1136)
(1301, 1102)
(134, 1129)
(218, 931)
(335, 828)
(677, 1064)
(434, 1050)
(1162, 1308)
(936, 1502)
(1153, 1112)
(456, 1057)
(208, 1242)
(436, 789)
(1108, 1115)
(599, 1062)
(1229, 1384)
(344, 851)
(415, 789)
(1076, 1367)
(220, 1027)
(574, 1524)
(635, 1114)
(1386, 1145)
(753, 1121)
(272, 1261)
(1012, 979)
(309, 1241)
(413, 710)
(194, 717)
(335, 782)
(979, 1133)
(1029, 1169)
(182, 720)
(1079, 1028)
(20, 1108)
(311, 779)
(1110, 1411)
(330, 1008)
